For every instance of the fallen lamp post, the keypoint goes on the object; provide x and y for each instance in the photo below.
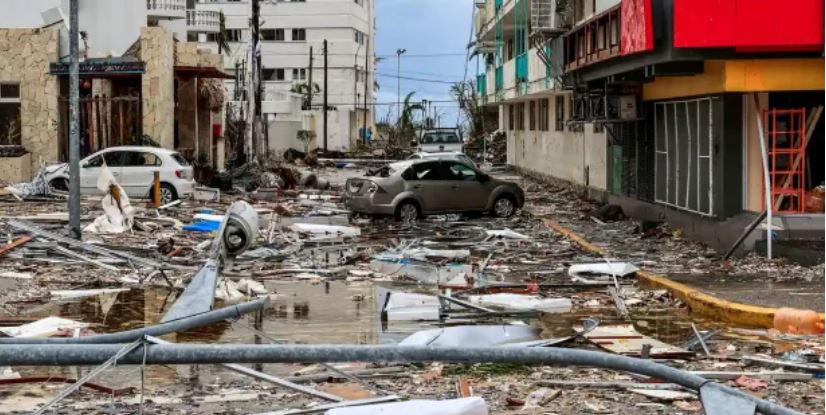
(716, 398)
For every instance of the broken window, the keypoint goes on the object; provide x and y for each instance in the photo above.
(511, 117)
(520, 116)
(532, 116)
(684, 157)
(10, 125)
(543, 115)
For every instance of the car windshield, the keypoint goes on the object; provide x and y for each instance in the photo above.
(179, 158)
(441, 138)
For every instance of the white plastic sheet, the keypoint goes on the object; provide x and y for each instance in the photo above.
(412, 307)
(464, 406)
(116, 218)
(619, 269)
(43, 328)
(520, 302)
(478, 336)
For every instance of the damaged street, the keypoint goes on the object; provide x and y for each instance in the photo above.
(448, 281)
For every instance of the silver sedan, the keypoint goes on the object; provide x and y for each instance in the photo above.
(411, 189)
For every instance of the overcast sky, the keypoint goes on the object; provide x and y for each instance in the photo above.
(423, 27)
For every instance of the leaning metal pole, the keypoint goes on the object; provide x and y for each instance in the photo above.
(95, 354)
(183, 324)
(74, 115)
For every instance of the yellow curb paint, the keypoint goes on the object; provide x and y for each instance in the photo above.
(699, 302)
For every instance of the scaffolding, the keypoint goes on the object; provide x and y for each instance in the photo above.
(786, 131)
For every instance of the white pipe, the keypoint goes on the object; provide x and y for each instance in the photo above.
(766, 177)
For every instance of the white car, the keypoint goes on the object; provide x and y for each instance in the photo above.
(441, 140)
(444, 156)
(134, 168)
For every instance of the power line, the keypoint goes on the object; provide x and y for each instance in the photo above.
(409, 78)
(431, 55)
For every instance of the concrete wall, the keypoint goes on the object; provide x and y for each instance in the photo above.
(576, 157)
(25, 55)
(158, 83)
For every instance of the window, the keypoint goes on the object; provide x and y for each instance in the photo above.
(299, 35)
(359, 37)
(520, 116)
(684, 155)
(112, 159)
(235, 35)
(10, 125)
(299, 74)
(426, 171)
(273, 74)
(543, 115)
(138, 159)
(511, 117)
(272, 35)
(559, 108)
(459, 171)
(532, 116)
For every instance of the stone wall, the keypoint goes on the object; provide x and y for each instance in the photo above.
(25, 55)
(158, 85)
(16, 169)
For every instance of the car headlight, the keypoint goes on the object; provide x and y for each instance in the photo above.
(373, 188)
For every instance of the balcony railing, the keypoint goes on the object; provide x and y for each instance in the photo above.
(595, 40)
(202, 21)
(166, 8)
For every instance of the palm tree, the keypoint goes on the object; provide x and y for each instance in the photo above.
(308, 93)
(221, 37)
(408, 109)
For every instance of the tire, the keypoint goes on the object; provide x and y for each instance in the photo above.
(407, 211)
(168, 194)
(59, 183)
(504, 207)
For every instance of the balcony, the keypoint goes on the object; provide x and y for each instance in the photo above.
(202, 21)
(166, 9)
(594, 40)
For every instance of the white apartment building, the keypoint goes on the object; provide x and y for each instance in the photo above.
(289, 30)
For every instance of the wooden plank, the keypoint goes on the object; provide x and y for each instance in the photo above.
(624, 339)
(14, 244)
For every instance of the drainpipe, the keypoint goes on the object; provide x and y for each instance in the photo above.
(767, 185)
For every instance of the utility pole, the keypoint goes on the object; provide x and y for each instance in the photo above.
(74, 115)
(366, 77)
(325, 95)
(355, 86)
(399, 53)
(256, 79)
(310, 89)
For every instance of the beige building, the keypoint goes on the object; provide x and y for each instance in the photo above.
(158, 91)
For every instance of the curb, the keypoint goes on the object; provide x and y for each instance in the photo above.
(699, 302)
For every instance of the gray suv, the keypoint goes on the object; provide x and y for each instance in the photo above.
(411, 189)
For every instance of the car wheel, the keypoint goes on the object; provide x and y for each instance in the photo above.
(168, 194)
(504, 207)
(60, 183)
(407, 212)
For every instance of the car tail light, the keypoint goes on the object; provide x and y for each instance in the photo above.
(180, 174)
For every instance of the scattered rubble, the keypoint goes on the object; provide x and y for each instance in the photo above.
(446, 281)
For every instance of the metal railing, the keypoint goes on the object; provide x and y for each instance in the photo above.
(166, 6)
(202, 20)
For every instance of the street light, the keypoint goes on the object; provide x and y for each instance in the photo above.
(399, 53)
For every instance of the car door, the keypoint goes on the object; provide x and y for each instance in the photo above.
(90, 170)
(425, 180)
(139, 172)
(467, 191)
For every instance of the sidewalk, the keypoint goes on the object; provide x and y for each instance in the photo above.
(663, 252)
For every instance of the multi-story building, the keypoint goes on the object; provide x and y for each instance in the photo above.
(659, 106)
(290, 32)
(140, 81)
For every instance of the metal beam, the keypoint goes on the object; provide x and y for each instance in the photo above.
(72, 355)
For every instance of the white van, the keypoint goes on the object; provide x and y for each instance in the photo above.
(441, 140)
